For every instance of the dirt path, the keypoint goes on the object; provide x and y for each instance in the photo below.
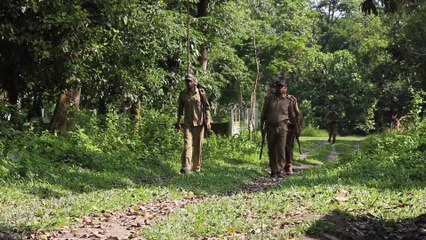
(332, 155)
(128, 224)
(121, 225)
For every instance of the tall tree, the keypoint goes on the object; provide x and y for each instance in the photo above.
(202, 12)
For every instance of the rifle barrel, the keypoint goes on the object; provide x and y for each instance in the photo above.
(261, 146)
(298, 143)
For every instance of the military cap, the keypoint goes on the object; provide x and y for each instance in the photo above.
(190, 77)
(280, 83)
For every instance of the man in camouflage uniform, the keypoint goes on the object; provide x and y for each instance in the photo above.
(195, 108)
(331, 120)
(277, 111)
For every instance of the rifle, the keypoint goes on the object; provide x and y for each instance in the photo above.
(297, 123)
(203, 111)
(263, 143)
(297, 130)
(296, 136)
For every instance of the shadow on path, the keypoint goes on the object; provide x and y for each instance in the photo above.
(344, 226)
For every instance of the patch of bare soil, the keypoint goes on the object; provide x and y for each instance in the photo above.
(118, 225)
(333, 154)
(264, 183)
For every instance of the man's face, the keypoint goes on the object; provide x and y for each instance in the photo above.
(190, 83)
(281, 89)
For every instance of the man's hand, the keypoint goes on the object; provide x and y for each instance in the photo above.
(178, 127)
(209, 126)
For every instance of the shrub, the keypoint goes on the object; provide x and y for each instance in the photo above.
(311, 131)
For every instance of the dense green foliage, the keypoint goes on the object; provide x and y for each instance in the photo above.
(133, 54)
(48, 158)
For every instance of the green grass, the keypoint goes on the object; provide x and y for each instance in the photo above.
(249, 212)
(310, 131)
(338, 186)
(26, 211)
(49, 184)
(48, 193)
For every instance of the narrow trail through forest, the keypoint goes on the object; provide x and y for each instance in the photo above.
(129, 223)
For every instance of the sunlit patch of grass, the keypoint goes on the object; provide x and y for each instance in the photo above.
(316, 149)
(224, 215)
(310, 131)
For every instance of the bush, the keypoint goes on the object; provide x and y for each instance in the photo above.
(311, 131)
(393, 159)
(121, 147)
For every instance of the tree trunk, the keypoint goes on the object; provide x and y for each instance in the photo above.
(9, 80)
(102, 111)
(253, 93)
(136, 114)
(12, 90)
(76, 96)
(202, 7)
(10, 84)
(36, 106)
(59, 120)
(204, 58)
(202, 11)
